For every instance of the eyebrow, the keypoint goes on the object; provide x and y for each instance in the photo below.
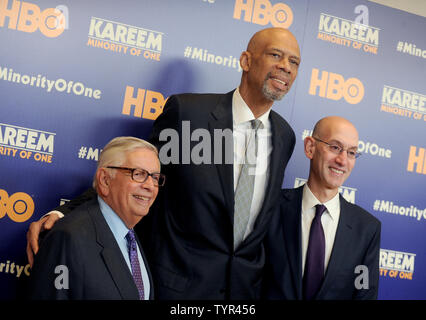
(283, 52)
(338, 142)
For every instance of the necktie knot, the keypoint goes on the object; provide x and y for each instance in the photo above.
(256, 124)
(130, 236)
(319, 210)
(131, 240)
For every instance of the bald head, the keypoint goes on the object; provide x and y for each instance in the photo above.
(331, 151)
(328, 125)
(270, 65)
(262, 37)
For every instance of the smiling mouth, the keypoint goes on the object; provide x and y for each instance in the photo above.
(280, 81)
(279, 84)
(337, 171)
(142, 198)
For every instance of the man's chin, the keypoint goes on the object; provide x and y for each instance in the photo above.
(273, 96)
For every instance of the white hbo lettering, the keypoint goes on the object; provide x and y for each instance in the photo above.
(374, 149)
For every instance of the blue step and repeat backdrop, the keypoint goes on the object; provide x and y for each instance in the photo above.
(74, 74)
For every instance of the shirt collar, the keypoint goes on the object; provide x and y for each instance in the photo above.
(242, 113)
(114, 222)
(309, 201)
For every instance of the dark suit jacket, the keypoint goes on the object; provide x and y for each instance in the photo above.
(83, 242)
(192, 239)
(357, 242)
(188, 234)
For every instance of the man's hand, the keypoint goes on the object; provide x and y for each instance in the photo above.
(45, 223)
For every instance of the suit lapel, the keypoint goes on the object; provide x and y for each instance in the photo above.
(222, 120)
(344, 236)
(292, 226)
(112, 255)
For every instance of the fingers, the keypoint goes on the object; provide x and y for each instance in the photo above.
(33, 233)
(50, 221)
(32, 239)
(30, 255)
(45, 223)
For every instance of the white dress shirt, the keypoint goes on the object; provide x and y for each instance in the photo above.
(242, 115)
(329, 221)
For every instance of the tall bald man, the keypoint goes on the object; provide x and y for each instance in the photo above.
(320, 246)
(211, 218)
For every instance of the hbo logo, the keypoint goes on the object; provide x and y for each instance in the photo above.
(263, 12)
(28, 17)
(19, 206)
(333, 86)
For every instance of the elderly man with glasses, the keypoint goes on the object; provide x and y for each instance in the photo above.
(94, 253)
(320, 246)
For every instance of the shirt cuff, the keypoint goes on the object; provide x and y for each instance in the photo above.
(60, 214)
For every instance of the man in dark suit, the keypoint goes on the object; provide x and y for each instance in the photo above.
(317, 254)
(194, 252)
(92, 253)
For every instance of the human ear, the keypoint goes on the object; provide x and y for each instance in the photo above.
(309, 147)
(245, 61)
(103, 180)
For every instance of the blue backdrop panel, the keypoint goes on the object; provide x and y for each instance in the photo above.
(65, 94)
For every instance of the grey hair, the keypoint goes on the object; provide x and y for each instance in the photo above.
(114, 153)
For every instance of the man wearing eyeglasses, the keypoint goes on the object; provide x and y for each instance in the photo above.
(208, 225)
(320, 246)
(93, 253)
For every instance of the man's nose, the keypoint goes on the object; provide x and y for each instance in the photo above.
(149, 183)
(284, 65)
(342, 157)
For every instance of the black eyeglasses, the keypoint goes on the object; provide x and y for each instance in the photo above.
(336, 149)
(141, 175)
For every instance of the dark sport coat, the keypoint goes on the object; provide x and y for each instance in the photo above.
(192, 254)
(357, 243)
(96, 269)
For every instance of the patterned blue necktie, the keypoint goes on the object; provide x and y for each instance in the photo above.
(134, 263)
(314, 265)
